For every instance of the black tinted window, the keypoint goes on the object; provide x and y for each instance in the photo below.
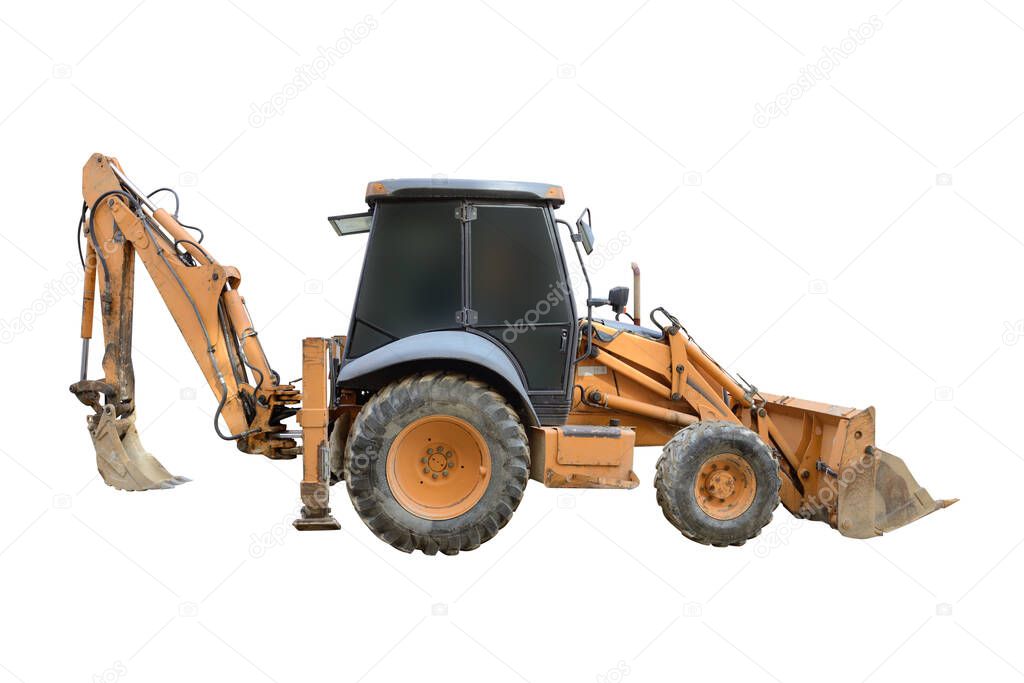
(412, 274)
(515, 273)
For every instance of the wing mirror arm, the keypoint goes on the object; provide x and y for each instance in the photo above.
(576, 239)
(618, 297)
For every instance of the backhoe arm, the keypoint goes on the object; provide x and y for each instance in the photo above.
(203, 298)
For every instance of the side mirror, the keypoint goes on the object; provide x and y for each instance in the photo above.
(618, 297)
(583, 231)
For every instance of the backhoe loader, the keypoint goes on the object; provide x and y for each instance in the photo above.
(465, 372)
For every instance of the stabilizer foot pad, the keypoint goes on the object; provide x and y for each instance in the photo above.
(324, 522)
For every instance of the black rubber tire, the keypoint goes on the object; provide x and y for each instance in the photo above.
(393, 408)
(676, 475)
(336, 448)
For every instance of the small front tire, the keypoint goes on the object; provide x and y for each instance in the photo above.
(718, 483)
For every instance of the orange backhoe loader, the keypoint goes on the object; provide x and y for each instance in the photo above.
(466, 371)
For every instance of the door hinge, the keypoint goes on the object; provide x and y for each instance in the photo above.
(467, 316)
(465, 212)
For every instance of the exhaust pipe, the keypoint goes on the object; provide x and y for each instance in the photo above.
(636, 292)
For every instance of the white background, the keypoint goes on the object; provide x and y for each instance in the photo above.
(824, 255)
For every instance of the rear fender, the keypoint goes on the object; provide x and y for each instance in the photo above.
(465, 349)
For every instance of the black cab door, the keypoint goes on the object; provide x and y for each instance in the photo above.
(519, 292)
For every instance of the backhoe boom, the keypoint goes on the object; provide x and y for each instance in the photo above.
(203, 298)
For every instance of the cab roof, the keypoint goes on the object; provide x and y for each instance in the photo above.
(452, 188)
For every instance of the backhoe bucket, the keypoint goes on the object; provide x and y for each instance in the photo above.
(122, 461)
(877, 493)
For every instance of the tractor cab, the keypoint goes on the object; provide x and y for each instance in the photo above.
(472, 273)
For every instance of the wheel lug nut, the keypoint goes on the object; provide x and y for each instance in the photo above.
(423, 460)
(451, 465)
(434, 475)
(445, 473)
(426, 470)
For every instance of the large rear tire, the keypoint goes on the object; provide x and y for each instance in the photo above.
(718, 483)
(436, 462)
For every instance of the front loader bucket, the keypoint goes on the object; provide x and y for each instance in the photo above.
(122, 461)
(877, 493)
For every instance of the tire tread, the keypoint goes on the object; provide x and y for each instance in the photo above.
(392, 401)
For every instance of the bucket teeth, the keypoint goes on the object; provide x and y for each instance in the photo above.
(120, 457)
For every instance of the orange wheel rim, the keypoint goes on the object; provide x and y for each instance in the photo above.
(725, 486)
(438, 467)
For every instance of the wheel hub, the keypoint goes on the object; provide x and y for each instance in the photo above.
(438, 467)
(439, 460)
(721, 485)
(725, 486)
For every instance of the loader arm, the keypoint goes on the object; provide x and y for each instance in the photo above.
(119, 222)
(830, 469)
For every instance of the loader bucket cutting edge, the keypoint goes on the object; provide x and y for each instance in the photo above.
(877, 493)
(120, 457)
